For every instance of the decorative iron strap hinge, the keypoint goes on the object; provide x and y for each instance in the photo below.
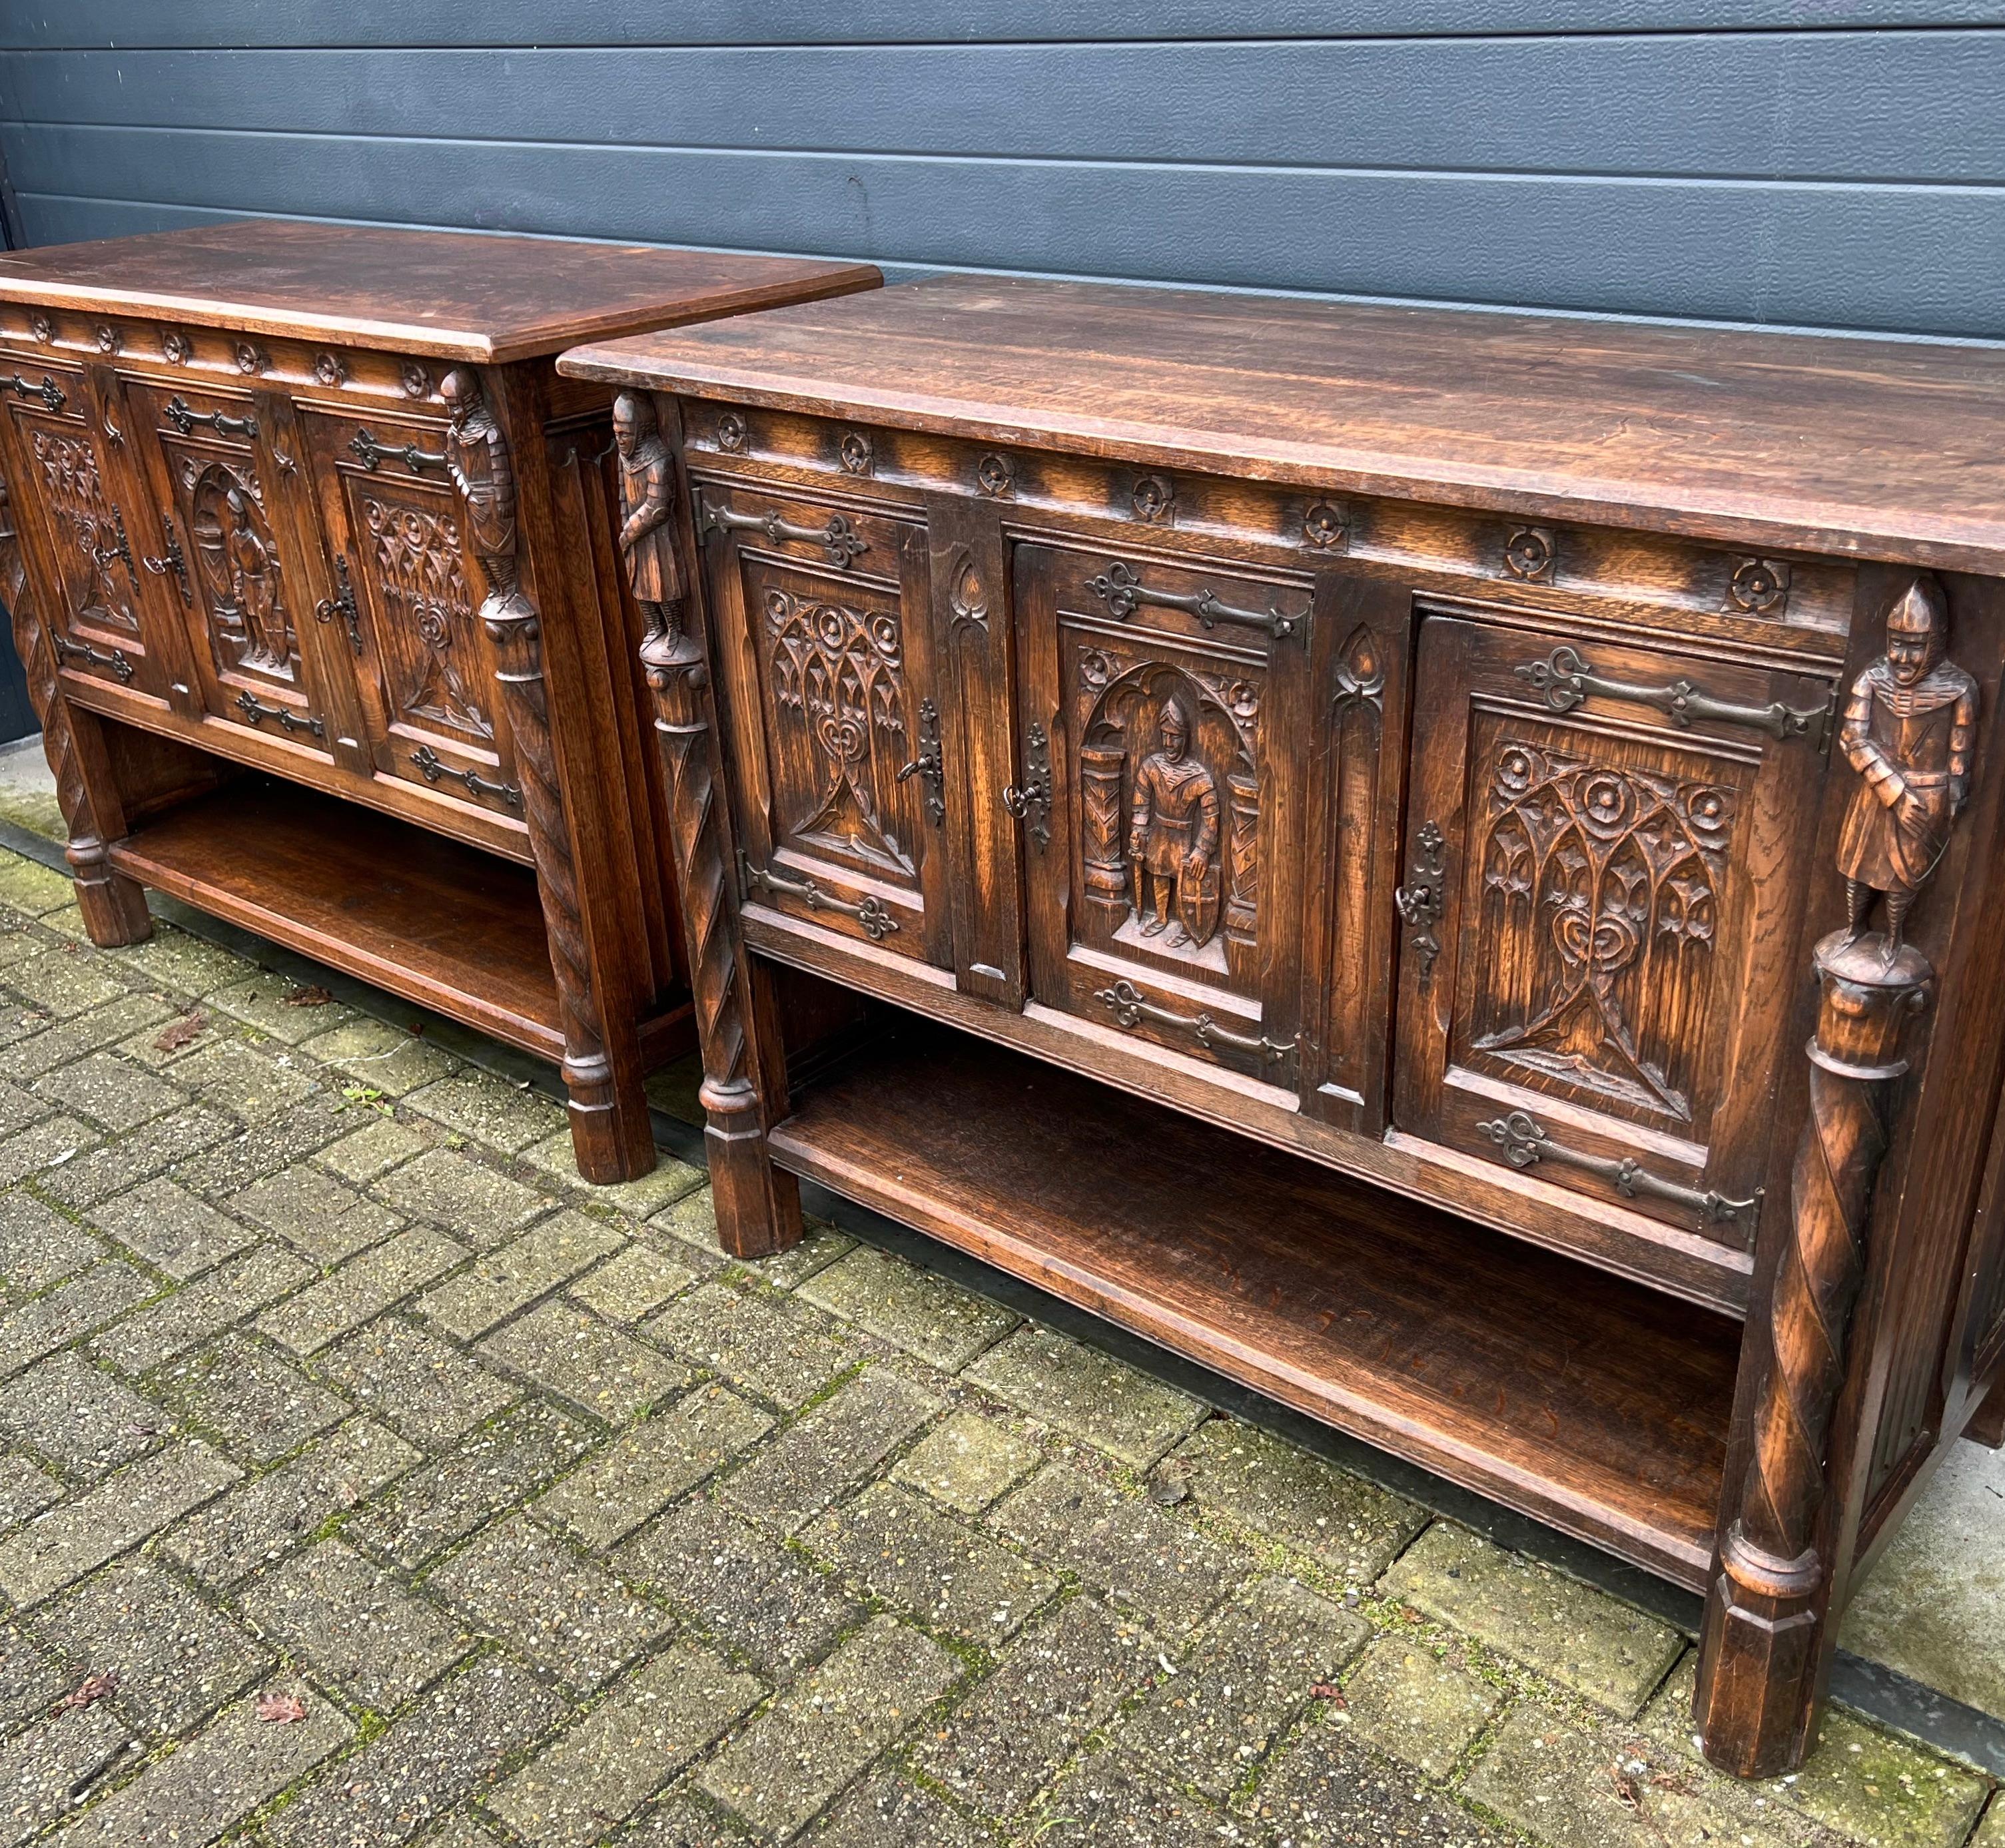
(1130, 1007)
(103, 555)
(431, 766)
(878, 923)
(255, 710)
(929, 766)
(185, 417)
(1031, 801)
(1564, 680)
(1525, 1143)
(70, 649)
(1120, 587)
(343, 604)
(48, 390)
(364, 446)
(841, 543)
(1422, 901)
(172, 559)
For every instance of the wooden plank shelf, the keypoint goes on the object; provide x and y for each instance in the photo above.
(452, 929)
(1586, 1400)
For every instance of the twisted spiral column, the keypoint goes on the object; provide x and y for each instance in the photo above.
(758, 1210)
(1759, 1653)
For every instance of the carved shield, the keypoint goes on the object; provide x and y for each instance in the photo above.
(1197, 902)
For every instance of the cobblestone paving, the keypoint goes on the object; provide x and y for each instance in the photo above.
(365, 1480)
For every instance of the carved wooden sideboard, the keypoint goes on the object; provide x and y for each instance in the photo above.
(319, 611)
(1445, 865)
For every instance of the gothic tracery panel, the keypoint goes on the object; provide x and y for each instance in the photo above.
(90, 539)
(1602, 886)
(433, 667)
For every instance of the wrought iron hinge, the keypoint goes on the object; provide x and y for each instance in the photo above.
(877, 922)
(255, 710)
(840, 542)
(70, 649)
(1031, 801)
(371, 452)
(1564, 679)
(172, 559)
(929, 764)
(1120, 587)
(431, 766)
(1525, 1143)
(342, 604)
(48, 390)
(185, 417)
(1423, 900)
(103, 555)
(1130, 1007)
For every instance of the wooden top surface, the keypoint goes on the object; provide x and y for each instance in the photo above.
(1878, 448)
(453, 295)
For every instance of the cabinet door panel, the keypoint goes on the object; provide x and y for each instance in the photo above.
(1162, 884)
(1600, 902)
(236, 590)
(823, 616)
(72, 512)
(425, 665)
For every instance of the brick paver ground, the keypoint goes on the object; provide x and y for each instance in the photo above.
(364, 1480)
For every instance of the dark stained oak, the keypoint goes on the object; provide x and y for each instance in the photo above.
(1874, 448)
(1601, 1403)
(445, 293)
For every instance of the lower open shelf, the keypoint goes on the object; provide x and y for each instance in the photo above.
(451, 928)
(1587, 1401)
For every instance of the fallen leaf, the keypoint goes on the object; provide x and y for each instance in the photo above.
(93, 1687)
(177, 1034)
(276, 1709)
(1627, 1791)
(311, 996)
(1327, 1690)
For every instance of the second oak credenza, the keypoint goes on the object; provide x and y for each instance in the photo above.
(310, 572)
(1445, 865)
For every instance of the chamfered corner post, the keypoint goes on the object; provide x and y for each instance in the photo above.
(611, 1136)
(114, 907)
(758, 1206)
(1907, 731)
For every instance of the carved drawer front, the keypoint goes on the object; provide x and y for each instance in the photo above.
(829, 675)
(405, 593)
(227, 566)
(1604, 848)
(1160, 796)
(85, 529)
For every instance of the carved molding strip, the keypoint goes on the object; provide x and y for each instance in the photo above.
(1120, 587)
(1130, 1007)
(840, 542)
(431, 766)
(1565, 679)
(878, 923)
(1525, 1142)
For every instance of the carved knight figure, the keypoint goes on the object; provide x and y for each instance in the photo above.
(1172, 836)
(477, 456)
(254, 583)
(647, 487)
(1907, 730)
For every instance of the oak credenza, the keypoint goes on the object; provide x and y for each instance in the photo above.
(1446, 865)
(309, 570)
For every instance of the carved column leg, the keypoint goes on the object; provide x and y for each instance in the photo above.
(758, 1206)
(114, 907)
(1760, 1652)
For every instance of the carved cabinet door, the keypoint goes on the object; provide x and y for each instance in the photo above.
(402, 605)
(827, 669)
(1604, 870)
(1164, 749)
(83, 525)
(231, 573)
